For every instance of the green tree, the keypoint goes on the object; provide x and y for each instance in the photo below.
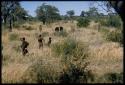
(11, 11)
(92, 12)
(70, 13)
(82, 14)
(47, 13)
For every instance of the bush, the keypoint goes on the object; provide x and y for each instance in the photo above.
(83, 22)
(76, 74)
(115, 36)
(39, 73)
(70, 50)
(13, 37)
(113, 21)
(114, 77)
(64, 48)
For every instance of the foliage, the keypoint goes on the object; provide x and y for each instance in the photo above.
(47, 13)
(12, 12)
(115, 36)
(70, 13)
(83, 22)
(113, 21)
(38, 73)
(114, 77)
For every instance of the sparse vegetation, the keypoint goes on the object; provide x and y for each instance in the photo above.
(115, 36)
(29, 28)
(113, 21)
(114, 77)
(13, 37)
(69, 54)
(83, 22)
(62, 33)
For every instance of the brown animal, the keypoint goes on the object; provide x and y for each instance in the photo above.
(57, 29)
(61, 29)
(24, 46)
(40, 41)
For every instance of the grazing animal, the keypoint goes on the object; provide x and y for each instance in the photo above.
(57, 29)
(61, 29)
(24, 46)
(49, 42)
(40, 41)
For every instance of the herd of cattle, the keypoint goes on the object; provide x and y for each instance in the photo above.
(25, 44)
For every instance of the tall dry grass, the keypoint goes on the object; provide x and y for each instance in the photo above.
(41, 66)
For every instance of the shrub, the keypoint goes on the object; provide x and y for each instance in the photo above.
(39, 73)
(115, 36)
(13, 37)
(83, 22)
(70, 50)
(64, 48)
(113, 21)
(114, 77)
(76, 74)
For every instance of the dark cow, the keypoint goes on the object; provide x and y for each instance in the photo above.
(61, 29)
(24, 46)
(57, 29)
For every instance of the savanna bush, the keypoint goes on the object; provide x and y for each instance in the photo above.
(38, 72)
(115, 36)
(83, 22)
(113, 21)
(114, 77)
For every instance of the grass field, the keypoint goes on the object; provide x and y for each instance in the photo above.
(43, 66)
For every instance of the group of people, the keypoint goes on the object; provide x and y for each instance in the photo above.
(25, 44)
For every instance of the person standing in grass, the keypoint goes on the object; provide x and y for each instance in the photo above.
(24, 46)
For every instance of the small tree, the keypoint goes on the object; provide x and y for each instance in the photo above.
(83, 22)
(70, 13)
(47, 13)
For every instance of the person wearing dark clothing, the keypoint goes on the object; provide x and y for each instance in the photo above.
(49, 42)
(24, 46)
(40, 41)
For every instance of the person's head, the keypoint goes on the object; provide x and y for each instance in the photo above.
(22, 39)
(40, 35)
(50, 38)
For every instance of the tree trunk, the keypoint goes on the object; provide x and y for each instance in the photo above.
(10, 28)
(5, 17)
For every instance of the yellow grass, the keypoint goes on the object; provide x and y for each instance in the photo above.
(104, 56)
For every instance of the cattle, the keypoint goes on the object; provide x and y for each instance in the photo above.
(57, 29)
(61, 29)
